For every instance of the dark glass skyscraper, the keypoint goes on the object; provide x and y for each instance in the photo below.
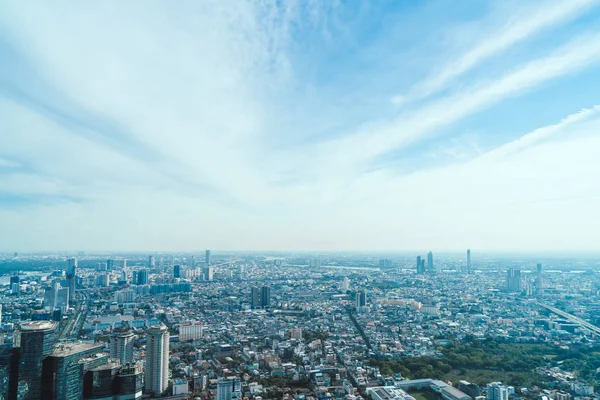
(430, 267)
(71, 276)
(36, 341)
(63, 370)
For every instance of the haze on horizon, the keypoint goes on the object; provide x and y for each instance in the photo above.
(133, 126)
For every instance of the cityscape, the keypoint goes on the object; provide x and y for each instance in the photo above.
(300, 200)
(233, 325)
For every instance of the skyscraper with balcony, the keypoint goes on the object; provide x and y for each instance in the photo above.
(121, 345)
(157, 360)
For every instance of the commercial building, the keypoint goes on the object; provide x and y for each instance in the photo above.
(63, 370)
(452, 393)
(190, 331)
(157, 360)
(513, 280)
(35, 341)
(71, 277)
(229, 389)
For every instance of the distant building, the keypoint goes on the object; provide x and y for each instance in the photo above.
(346, 284)
(469, 388)
(265, 296)
(208, 273)
(385, 263)
(110, 264)
(157, 360)
(177, 271)
(539, 269)
(452, 393)
(430, 267)
(71, 277)
(191, 331)
(207, 257)
(497, 391)
(361, 299)
(296, 333)
(35, 341)
(314, 263)
(513, 280)
(420, 265)
(15, 284)
(56, 297)
(142, 277)
(229, 389)
(151, 262)
(468, 261)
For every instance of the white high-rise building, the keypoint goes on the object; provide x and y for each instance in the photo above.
(497, 391)
(346, 284)
(157, 360)
(121, 346)
(229, 388)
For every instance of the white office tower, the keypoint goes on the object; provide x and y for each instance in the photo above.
(346, 284)
(497, 391)
(157, 360)
(229, 388)
(121, 345)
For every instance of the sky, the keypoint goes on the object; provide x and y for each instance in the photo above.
(300, 125)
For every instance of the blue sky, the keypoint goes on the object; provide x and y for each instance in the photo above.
(382, 125)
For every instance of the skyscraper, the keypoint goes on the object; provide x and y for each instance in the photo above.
(208, 273)
(513, 280)
(63, 370)
(255, 297)
(539, 269)
(430, 263)
(265, 296)
(151, 262)
(35, 341)
(142, 277)
(157, 360)
(468, 261)
(207, 257)
(177, 271)
(229, 388)
(121, 345)
(110, 264)
(15, 284)
(71, 276)
(361, 299)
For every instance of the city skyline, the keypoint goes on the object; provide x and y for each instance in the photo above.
(284, 125)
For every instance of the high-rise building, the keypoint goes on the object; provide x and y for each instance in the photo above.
(539, 269)
(513, 280)
(15, 284)
(177, 271)
(113, 381)
(361, 299)
(229, 389)
(385, 263)
(497, 391)
(468, 261)
(122, 343)
(142, 277)
(296, 333)
(110, 264)
(255, 297)
(265, 296)
(151, 262)
(63, 370)
(56, 297)
(346, 284)
(192, 261)
(430, 267)
(420, 265)
(9, 364)
(207, 257)
(35, 341)
(157, 360)
(71, 277)
(208, 273)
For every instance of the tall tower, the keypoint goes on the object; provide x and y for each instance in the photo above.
(110, 264)
(71, 276)
(121, 345)
(255, 297)
(513, 280)
(157, 360)
(36, 341)
(468, 261)
(151, 262)
(265, 296)
(207, 256)
(430, 263)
